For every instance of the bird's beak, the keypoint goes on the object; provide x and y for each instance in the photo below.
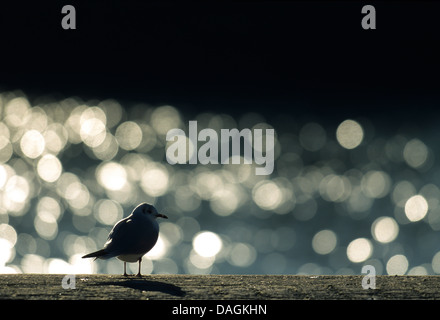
(159, 215)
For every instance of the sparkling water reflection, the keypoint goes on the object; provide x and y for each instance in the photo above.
(342, 195)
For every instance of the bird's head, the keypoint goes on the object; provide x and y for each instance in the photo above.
(145, 209)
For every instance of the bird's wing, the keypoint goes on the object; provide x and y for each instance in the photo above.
(131, 236)
(120, 231)
(118, 227)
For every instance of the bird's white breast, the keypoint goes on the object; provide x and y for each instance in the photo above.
(129, 257)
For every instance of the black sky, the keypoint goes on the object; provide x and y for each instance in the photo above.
(229, 56)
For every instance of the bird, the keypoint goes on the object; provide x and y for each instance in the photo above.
(131, 237)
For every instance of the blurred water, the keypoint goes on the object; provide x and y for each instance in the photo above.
(341, 195)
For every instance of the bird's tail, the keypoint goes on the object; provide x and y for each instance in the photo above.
(97, 254)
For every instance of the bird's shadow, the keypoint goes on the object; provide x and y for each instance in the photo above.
(147, 285)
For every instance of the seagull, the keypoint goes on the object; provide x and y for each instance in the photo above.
(131, 237)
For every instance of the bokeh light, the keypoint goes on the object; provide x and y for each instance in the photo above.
(159, 250)
(32, 144)
(129, 135)
(15, 195)
(16, 112)
(5, 146)
(55, 137)
(226, 201)
(46, 225)
(242, 255)
(397, 265)
(207, 244)
(416, 208)
(8, 234)
(359, 250)
(436, 262)
(112, 176)
(415, 153)
(403, 190)
(49, 168)
(384, 229)
(376, 184)
(164, 119)
(108, 212)
(349, 134)
(154, 180)
(335, 188)
(267, 195)
(324, 241)
(93, 126)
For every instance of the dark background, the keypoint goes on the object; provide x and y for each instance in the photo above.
(300, 57)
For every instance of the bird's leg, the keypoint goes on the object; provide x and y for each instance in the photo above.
(139, 271)
(125, 268)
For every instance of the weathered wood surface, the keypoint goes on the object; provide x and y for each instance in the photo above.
(218, 287)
